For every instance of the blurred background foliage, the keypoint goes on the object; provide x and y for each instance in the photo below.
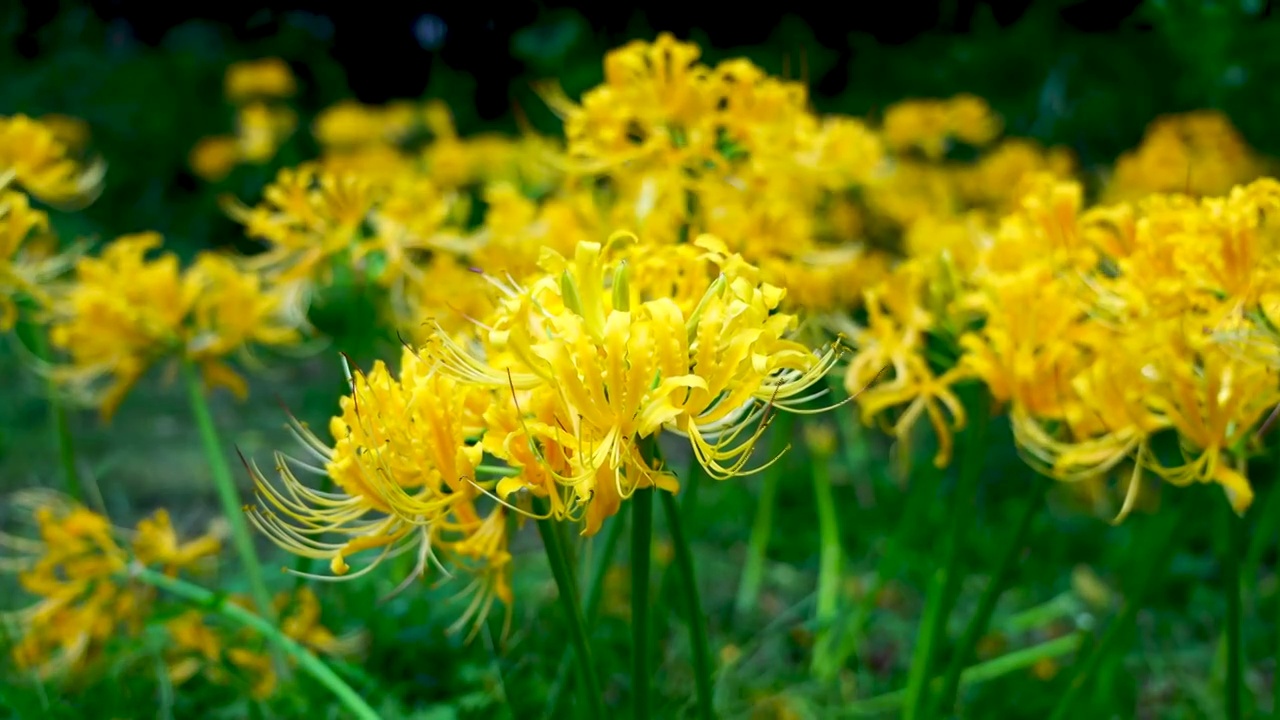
(1087, 74)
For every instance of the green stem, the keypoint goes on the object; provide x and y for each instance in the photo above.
(1263, 534)
(1231, 572)
(689, 483)
(824, 663)
(227, 493)
(1162, 545)
(853, 440)
(641, 550)
(563, 572)
(980, 673)
(697, 621)
(762, 527)
(591, 607)
(946, 581)
(1275, 705)
(919, 501)
(312, 665)
(59, 421)
(981, 619)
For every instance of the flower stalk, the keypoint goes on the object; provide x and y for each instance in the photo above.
(601, 561)
(59, 421)
(945, 583)
(981, 619)
(308, 662)
(641, 555)
(563, 574)
(762, 527)
(228, 495)
(825, 662)
(1231, 575)
(697, 620)
(1162, 537)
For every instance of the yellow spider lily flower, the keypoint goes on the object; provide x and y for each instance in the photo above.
(267, 78)
(406, 469)
(36, 160)
(594, 367)
(74, 567)
(124, 311)
(28, 263)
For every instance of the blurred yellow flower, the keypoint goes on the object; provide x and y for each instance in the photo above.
(213, 158)
(260, 128)
(124, 311)
(34, 158)
(267, 78)
(75, 567)
(26, 264)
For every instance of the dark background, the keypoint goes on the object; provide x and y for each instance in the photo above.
(147, 77)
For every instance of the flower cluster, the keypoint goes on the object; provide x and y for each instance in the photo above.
(35, 158)
(221, 656)
(1199, 153)
(124, 311)
(1102, 330)
(928, 126)
(565, 382)
(405, 464)
(77, 567)
(257, 89)
(566, 305)
(81, 569)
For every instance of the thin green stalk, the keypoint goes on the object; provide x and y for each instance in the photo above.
(697, 621)
(309, 663)
(641, 551)
(946, 581)
(1162, 544)
(921, 658)
(562, 572)
(920, 498)
(227, 493)
(1231, 571)
(825, 663)
(980, 673)
(59, 421)
(1264, 532)
(591, 607)
(689, 483)
(853, 440)
(762, 527)
(981, 619)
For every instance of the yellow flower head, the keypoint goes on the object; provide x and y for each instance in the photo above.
(75, 568)
(226, 657)
(260, 129)
(264, 79)
(125, 310)
(213, 158)
(405, 463)
(594, 368)
(1200, 153)
(928, 125)
(27, 262)
(349, 124)
(34, 158)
